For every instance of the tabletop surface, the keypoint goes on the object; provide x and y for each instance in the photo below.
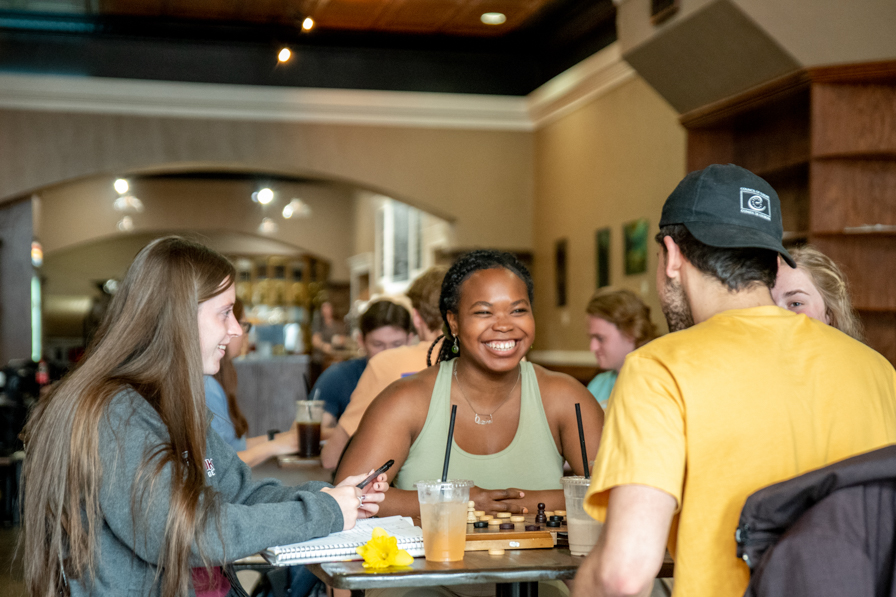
(524, 565)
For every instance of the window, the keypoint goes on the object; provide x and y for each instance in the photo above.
(402, 248)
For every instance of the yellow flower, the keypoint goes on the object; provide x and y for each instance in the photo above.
(382, 551)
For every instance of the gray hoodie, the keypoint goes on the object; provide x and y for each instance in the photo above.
(252, 515)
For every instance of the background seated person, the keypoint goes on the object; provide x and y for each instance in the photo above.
(389, 366)
(227, 418)
(516, 422)
(383, 325)
(327, 334)
(618, 323)
(817, 288)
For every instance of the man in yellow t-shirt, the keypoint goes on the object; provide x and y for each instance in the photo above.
(743, 394)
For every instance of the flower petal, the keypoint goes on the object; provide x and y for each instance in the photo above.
(402, 558)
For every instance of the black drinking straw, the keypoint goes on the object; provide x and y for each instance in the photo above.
(582, 440)
(450, 439)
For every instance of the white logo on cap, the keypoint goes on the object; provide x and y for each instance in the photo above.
(755, 203)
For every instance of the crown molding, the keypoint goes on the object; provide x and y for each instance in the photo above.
(597, 75)
(245, 102)
(583, 82)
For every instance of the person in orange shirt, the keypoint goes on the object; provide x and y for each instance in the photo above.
(392, 364)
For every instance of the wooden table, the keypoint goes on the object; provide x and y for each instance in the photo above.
(516, 573)
(295, 461)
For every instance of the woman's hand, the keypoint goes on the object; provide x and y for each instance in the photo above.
(495, 500)
(358, 503)
(286, 442)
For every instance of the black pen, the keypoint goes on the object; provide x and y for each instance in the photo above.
(376, 474)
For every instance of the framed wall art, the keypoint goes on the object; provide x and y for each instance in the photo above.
(560, 271)
(602, 256)
(635, 237)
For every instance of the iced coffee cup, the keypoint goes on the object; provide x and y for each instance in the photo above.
(309, 414)
(443, 515)
(583, 530)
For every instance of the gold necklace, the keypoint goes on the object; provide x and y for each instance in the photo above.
(480, 418)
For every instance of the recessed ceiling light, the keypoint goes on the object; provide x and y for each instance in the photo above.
(297, 208)
(493, 18)
(308, 23)
(284, 55)
(126, 224)
(268, 226)
(121, 186)
(263, 196)
(128, 203)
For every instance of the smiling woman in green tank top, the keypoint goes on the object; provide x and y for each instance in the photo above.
(516, 422)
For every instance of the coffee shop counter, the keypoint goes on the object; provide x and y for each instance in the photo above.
(268, 389)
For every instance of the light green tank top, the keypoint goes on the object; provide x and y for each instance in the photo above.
(531, 461)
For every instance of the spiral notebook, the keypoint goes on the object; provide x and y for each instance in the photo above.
(341, 546)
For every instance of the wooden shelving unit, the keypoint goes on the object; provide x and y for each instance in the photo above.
(825, 139)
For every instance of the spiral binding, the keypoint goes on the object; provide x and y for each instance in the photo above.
(317, 550)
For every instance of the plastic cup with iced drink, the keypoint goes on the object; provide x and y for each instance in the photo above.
(443, 515)
(309, 414)
(583, 530)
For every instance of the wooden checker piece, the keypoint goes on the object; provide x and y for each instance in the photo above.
(493, 537)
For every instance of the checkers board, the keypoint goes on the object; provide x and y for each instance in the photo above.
(519, 538)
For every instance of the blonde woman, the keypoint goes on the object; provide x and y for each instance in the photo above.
(127, 490)
(618, 323)
(817, 288)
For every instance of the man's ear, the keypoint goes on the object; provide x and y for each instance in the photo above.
(674, 258)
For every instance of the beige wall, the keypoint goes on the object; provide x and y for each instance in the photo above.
(471, 178)
(612, 161)
(364, 222)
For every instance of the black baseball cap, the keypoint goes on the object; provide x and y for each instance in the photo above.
(728, 206)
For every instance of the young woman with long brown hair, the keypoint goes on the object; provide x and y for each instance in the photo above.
(127, 490)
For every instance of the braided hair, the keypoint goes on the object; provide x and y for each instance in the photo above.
(462, 269)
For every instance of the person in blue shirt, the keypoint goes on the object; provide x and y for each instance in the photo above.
(383, 325)
(227, 418)
(618, 323)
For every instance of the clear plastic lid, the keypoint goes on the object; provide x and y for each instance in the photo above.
(575, 480)
(438, 483)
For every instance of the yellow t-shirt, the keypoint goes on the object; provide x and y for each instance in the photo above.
(745, 399)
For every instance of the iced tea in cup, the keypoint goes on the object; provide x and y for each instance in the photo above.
(309, 414)
(443, 515)
(583, 530)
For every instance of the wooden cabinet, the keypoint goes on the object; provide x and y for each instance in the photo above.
(825, 139)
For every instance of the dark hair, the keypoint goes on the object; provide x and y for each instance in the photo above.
(226, 376)
(383, 314)
(462, 269)
(424, 295)
(737, 268)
